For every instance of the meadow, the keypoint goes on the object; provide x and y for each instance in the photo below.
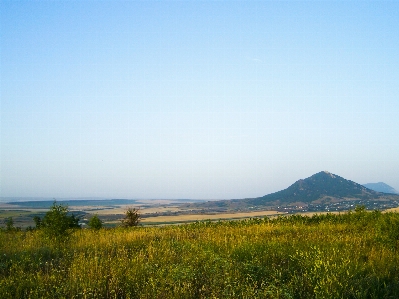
(350, 255)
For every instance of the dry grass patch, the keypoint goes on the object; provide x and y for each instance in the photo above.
(392, 210)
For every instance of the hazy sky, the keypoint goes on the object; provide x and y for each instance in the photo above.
(196, 99)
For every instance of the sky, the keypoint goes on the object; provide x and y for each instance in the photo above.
(195, 99)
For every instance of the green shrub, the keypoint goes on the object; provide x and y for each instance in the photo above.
(57, 222)
(95, 222)
(9, 222)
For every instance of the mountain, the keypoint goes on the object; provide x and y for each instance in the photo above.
(321, 191)
(380, 187)
(317, 187)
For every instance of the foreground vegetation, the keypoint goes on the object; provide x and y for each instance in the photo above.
(352, 255)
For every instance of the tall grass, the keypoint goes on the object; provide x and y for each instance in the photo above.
(353, 255)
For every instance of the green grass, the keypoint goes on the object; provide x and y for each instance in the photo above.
(352, 255)
(14, 213)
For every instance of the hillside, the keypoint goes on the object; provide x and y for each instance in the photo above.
(318, 186)
(321, 191)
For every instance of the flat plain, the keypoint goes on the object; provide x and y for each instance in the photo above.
(158, 212)
(153, 213)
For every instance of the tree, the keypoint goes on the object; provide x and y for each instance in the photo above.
(57, 222)
(95, 223)
(38, 221)
(132, 217)
(9, 222)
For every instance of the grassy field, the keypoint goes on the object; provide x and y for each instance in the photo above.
(352, 255)
(13, 213)
(200, 217)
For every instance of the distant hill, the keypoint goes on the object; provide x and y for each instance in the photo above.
(320, 185)
(381, 187)
(322, 190)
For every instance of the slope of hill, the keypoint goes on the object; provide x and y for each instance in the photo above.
(322, 191)
(318, 186)
(380, 187)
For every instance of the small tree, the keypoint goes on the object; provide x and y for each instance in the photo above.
(38, 221)
(95, 223)
(9, 222)
(57, 222)
(132, 217)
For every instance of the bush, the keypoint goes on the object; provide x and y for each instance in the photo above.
(95, 223)
(57, 222)
(9, 222)
(38, 221)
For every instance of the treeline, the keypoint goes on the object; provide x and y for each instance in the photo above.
(349, 255)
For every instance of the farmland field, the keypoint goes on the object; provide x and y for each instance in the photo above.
(393, 210)
(351, 255)
(200, 217)
(153, 212)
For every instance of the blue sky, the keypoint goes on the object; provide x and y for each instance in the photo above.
(195, 99)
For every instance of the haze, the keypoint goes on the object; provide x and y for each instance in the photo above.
(187, 99)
